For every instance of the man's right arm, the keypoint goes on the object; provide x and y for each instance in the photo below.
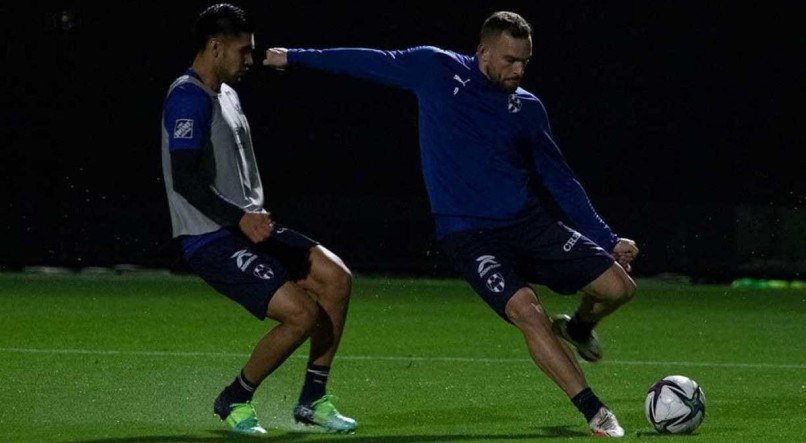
(191, 182)
(187, 115)
(403, 68)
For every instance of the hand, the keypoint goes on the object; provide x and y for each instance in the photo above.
(256, 225)
(625, 252)
(276, 58)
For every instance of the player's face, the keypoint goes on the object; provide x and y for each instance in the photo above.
(234, 57)
(504, 59)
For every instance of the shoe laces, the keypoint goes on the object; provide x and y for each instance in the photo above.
(326, 403)
(606, 420)
(244, 411)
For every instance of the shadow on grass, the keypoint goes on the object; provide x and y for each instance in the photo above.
(653, 434)
(224, 436)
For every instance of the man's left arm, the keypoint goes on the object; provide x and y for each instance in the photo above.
(569, 194)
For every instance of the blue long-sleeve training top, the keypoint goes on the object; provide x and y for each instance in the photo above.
(479, 145)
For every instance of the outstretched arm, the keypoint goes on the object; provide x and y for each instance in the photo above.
(403, 68)
(276, 58)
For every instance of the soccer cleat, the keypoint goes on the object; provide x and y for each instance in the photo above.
(323, 413)
(240, 417)
(588, 349)
(604, 424)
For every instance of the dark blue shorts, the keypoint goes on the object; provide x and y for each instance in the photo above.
(250, 273)
(540, 250)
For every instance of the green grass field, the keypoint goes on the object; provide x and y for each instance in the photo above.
(140, 358)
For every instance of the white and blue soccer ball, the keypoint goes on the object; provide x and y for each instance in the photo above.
(675, 405)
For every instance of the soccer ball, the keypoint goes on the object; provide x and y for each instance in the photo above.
(675, 405)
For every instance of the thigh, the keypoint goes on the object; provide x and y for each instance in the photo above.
(327, 270)
(238, 269)
(561, 258)
(291, 302)
(613, 284)
(292, 249)
(486, 263)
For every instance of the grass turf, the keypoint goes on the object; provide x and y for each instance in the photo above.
(140, 358)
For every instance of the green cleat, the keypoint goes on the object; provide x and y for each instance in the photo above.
(241, 419)
(323, 413)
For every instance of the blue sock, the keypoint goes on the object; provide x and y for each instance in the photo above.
(240, 390)
(315, 382)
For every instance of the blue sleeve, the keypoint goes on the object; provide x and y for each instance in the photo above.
(403, 68)
(569, 194)
(186, 117)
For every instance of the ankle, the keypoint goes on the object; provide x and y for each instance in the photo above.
(580, 329)
(241, 390)
(587, 403)
(315, 385)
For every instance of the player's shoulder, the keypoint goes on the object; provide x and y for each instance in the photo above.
(451, 56)
(447, 60)
(441, 54)
(523, 94)
(185, 90)
(425, 50)
(530, 99)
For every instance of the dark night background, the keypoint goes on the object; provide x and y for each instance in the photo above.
(681, 119)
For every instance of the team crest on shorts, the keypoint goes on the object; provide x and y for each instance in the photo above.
(486, 264)
(496, 283)
(243, 259)
(263, 271)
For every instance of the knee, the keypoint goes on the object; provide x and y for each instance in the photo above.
(615, 286)
(344, 282)
(524, 311)
(302, 316)
(339, 282)
(626, 290)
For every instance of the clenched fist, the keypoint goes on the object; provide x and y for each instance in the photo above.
(256, 225)
(276, 58)
(625, 252)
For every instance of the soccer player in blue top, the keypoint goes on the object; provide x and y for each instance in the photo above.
(217, 210)
(485, 144)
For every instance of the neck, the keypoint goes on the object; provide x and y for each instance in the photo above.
(482, 66)
(205, 70)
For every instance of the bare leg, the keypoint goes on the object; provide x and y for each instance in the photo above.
(331, 282)
(296, 312)
(605, 294)
(547, 351)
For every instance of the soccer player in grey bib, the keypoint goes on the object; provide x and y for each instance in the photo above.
(216, 203)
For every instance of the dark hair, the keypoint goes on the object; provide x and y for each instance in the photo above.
(502, 21)
(220, 19)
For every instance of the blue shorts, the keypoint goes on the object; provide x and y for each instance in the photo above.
(250, 273)
(540, 250)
